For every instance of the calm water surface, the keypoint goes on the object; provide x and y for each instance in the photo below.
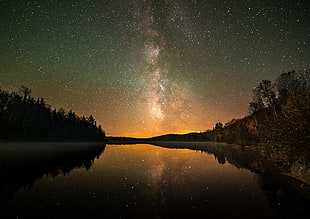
(143, 181)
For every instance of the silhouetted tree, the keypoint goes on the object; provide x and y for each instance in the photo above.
(218, 132)
(288, 84)
(91, 120)
(23, 118)
(25, 91)
(280, 114)
(264, 96)
(219, 125)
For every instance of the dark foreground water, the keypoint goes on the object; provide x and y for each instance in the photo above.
(145, 181)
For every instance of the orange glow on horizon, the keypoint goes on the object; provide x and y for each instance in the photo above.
(149, 135)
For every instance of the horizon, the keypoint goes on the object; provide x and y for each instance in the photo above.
(149, 68)
(184, 133)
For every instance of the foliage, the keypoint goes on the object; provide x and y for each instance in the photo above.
(290, 127)
(24, 118)
(279, 115)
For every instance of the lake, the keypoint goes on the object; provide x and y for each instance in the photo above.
(166, 180)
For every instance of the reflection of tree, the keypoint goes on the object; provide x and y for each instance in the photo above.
(257, 159)
(24, 165)
(289, 197)
(254, 159)
(284, 193)
(220, 158)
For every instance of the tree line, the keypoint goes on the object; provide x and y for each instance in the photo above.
(279, 115)
(24, 118)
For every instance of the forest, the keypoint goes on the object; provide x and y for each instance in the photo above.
(22, 118)
(279, 115)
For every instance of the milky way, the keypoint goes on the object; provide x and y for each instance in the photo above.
(165, 100)
(147, 67)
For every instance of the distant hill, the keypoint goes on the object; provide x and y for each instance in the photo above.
(125, 140)
(203, 136)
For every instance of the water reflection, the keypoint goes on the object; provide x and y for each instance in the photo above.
(144, 181)
(21, 165)
(257, 159)
(284, 175)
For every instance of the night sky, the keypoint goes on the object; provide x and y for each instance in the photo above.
(149, 67)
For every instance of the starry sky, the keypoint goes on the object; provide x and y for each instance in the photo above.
(149, 67)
